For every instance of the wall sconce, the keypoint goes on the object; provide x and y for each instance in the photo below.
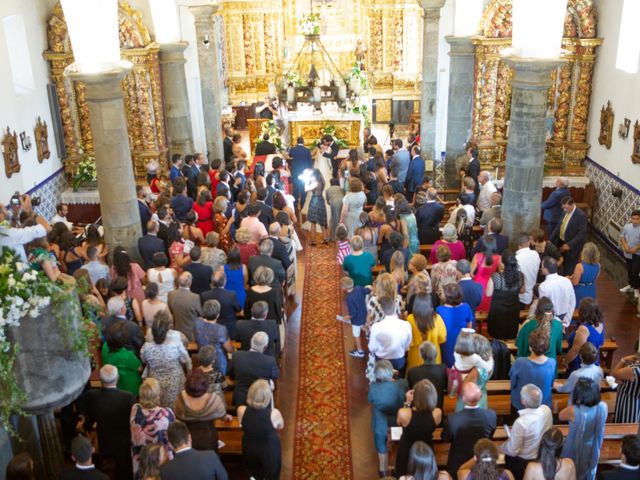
(616, 192)
(623, 129)
(25, 141)
(206, 41)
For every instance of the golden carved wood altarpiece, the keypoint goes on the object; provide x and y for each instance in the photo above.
(142, 92)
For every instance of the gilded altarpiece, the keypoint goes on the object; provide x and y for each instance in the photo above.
(142, 92)
(569, 95)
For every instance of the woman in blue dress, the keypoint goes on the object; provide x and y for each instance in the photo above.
(586, 272)
(590, 329)
(456, 315)
(408, 224)
(237, 275)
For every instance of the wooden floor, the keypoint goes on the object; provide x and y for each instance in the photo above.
(621, 323)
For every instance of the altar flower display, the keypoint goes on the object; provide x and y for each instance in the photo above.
(310, 24)
(85, 174)
(271, 129)
(330, 130)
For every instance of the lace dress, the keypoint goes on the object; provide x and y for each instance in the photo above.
(165, 363)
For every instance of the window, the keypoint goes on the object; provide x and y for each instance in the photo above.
(15, 37)
(629, 38)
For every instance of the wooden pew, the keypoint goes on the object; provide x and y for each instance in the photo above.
(607, 350)
(231, 434)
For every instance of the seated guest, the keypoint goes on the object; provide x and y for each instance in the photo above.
(229, 305)
(422, 464)
(259, 322)
(210, 332)
(543, 320)
(529, 264)
(494, 211)
(200, 274)
(559, 290)
(504, 288)
(261, 450)
(114, 353)
(484, 463)
(185, 306)
(263, 290)
(210, 254)
(418, 418)
(428, 218)
(386, 396)
(163, 276)
(537, 368)
(588, 356)
(249, 366)
(629, 467)
(245, 245)
(436, 373)
(359, 263)
(95, 267)
(590, 329)
(449, 239)
(456, 316)
(198, 409)
(627, 373)
(81, 453)
(471, 290)
(190, 463)
(587, 417)
(502, 241)
(426, 326)
(150, 244)
(109, 408)
(390, 338)
(265, 260)
(396, 241)
(116, 313)
(443, 271)
(463, 429)
(549, 464)
(524, 437)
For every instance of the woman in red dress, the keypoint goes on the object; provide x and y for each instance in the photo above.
(204, 208)
(223, 224)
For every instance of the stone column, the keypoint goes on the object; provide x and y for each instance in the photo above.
(430, 32)
(526, 144)
(50, 444)
(460, 103)
(116, 183)
(176, 98)
(210, 82)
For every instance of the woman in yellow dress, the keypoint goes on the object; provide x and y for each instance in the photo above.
(426, 325)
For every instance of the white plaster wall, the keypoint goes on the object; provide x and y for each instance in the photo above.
(622, 89)
(19, 112)
(446, 28)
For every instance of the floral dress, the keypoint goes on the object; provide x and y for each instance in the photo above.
(175, 251)
(226, 242)
(164, 363)
(148, 425)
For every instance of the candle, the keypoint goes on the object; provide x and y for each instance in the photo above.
(342, 92)
(272, 90)
(291, 94)
(317, 94)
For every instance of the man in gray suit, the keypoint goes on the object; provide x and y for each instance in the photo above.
(185, 306)
(402, 158)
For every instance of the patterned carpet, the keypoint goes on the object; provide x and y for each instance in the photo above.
(322, 447)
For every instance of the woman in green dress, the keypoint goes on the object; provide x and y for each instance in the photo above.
(545, 320)
(114, 353)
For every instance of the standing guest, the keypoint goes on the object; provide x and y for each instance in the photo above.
(261, 450)
(408, 224)
(396, 240)
(334, 196)
(264, 290)
(525, 435)
(180, 204)
(116, 309)
(630, 243)
(464, 428)
(397, 269)
(95, 239)
(545, 321)
(245, 244)
(502, 241)
(114, 353)
(419, 281)
(627, 372)
(549, 464)
(222, 223)
(415, 173)
(590, 329)
(210, 332)
(472, 169)
(150, 244)
(249, 366)
(559, 290)
(529, 265)
(265, 259)
(300, 161)
(473, 363)
(444, 271)
(152, 304)
(200, 274)
(237, 275)
(95, 267)
(570, 234)
(456, 316)
(252, 225)
(426, 326)
(629, 468)
(388, 228)
(422, 464)
(471, 290)
(119, 288)
(109, 408)
(586, 272)
(166, 360)
(428, 217)
(386, 396)
(143, 207)
(487, 188)
(401, 159)
(210, 254)
(178, 258)
(263, 199)
(450, 240)
(21, 467)
(356, 297)
(359, 263)
(228, 300)
(151, 458)
(483, 265)
(369, 234)
(436, 373)
(588, 355)
(352, 205)
(162, 276)
(280, 251)
(317, 213)
(537, 368)
(185, 306)
(84, 469)
(164, 217)
(418, 418)
(495, 211)
(71, 254)
(259, 322)
(464, 201)
(552, 207)
(503, 287)
(204, 210)
(176, 165)
(343, 244)
(190, 231)
(188, 462)
(216, 379)
(587, 417)
(149, 422)
(390, 338)
(484, 463)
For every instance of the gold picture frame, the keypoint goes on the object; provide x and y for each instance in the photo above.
(10, 153)
(606, 126)
(41, 133)
(635, 156)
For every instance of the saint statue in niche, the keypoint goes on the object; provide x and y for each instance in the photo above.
(10, 153)
(42, 140)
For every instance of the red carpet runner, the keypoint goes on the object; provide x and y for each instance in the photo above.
(322, 447)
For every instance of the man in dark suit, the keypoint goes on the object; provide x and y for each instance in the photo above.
(143, 208)
(81, 453)
(629, 468)
(185, 306)
(368, 138)
(330, 149)
(164, 217)
(190, 172)
(109, 408)
(463, 429)
(415, 174)
(223, 188)
(472, 169)
(570, 234)
(265, 260)
(150, 243)
(279, 248)
(471, 290)
(176, 165)
(552, 208)
(394, 181)
(245, 329)
(229, 306)
(265, 147)
(300, 161)
(249, 366)
(180, 203)
(116, 310)
(494, 229)
(428, 217)
(271, 189)
(201, 274)
(266, 212)
(189, 463)
(227, 145)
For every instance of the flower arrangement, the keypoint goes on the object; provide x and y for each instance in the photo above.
(271, 129)
(330, 130)
(85, 173)
(293, 77)
(310, 24)
(363, 110)
(358, 77)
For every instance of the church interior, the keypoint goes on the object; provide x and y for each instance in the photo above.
(304, 239)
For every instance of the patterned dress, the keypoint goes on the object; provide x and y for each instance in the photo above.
(317, 210)
(628, 399)
(149, 425)
(225, 243)
(164, 363)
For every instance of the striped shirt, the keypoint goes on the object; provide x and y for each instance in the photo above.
(628, 399)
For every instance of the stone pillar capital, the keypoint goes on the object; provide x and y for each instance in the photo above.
(532, 73)
(431, 8)
(103, 85)
(173, 52)
(460, 46)
(204, 12)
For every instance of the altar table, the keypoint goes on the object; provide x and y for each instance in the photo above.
(310, 127)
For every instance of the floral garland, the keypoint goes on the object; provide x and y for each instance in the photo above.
(85, 173)
(310, 24)
(330, 130)
(271, 129)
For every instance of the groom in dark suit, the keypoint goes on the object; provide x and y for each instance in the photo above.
(330, 150)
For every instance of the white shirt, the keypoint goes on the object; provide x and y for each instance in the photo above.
(390, 338)
(57, 218)
(560, 291)
(15, 238)
(484, 197)
(526, 433)
(529, 265)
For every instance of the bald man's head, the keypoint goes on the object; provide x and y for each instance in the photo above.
(471, 394)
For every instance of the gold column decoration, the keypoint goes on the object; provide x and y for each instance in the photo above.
(569, 94)
(143, 95)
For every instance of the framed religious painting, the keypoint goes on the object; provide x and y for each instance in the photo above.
(42, 140)
(635, 156)
(10, 153)
(606, 126)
